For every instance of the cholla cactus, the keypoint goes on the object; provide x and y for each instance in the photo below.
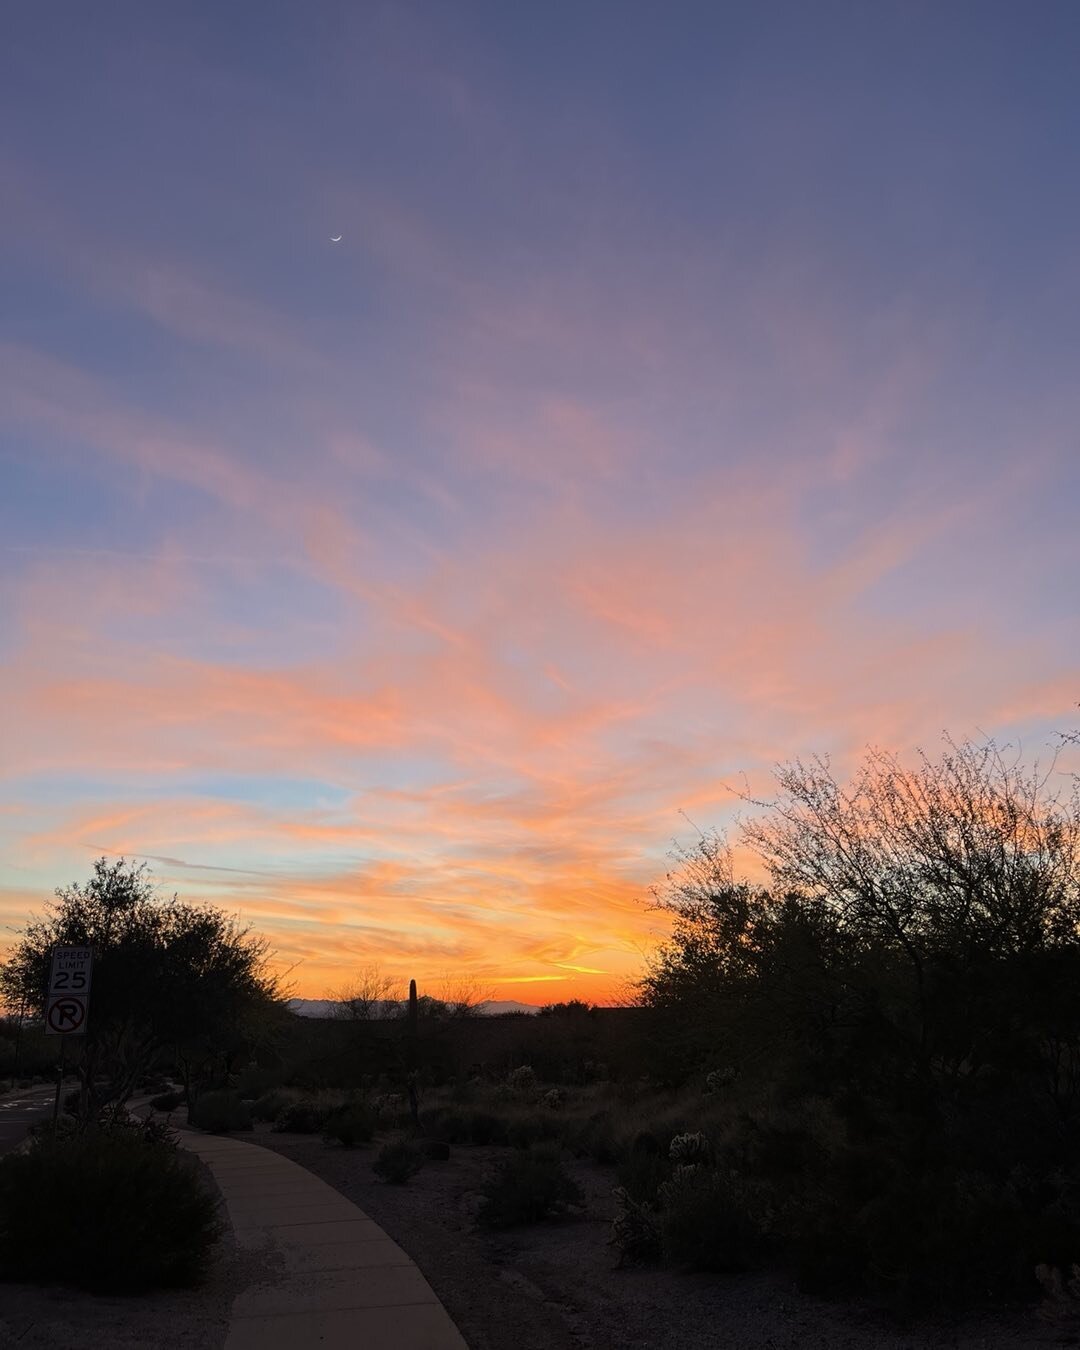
(684, 1177)
(720, 1079)
(523, 1082)
(690, 1150)
(635, 1229)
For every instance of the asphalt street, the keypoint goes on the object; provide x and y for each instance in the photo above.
(18, 1111)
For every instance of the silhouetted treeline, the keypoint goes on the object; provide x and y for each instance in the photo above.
(898, 1011)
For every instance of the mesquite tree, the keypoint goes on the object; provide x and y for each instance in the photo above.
(920, 924)
(168, 976)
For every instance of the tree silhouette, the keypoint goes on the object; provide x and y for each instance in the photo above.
(167, 976)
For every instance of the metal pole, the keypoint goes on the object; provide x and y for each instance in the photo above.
(18, 1043)
(59, 1082)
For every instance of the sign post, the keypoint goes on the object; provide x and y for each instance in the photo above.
(67, 1002)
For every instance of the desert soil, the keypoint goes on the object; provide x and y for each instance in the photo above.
(555, 1286)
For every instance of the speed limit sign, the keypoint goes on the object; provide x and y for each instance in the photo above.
(69, 991)
(71, 970)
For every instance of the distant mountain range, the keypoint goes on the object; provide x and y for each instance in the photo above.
(328, 1007)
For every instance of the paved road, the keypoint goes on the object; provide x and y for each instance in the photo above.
(18, 1111)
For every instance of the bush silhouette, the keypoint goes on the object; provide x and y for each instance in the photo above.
(398, 1161)
(220, 1112)
(528, 1187)
(135, 1213)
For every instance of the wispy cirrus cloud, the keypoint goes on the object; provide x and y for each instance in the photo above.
(401, 594)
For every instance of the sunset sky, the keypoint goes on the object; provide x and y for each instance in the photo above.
(694, 386)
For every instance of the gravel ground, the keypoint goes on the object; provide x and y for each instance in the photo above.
(554, 1286)
(61, 1318)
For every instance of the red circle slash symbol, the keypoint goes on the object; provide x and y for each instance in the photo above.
(66, 1014)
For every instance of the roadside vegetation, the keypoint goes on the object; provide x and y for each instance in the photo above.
(861, 1068)
(121, 1201)
(179, 991)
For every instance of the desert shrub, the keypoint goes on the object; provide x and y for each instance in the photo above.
(65, 1127)
(528, 1187)
(944, 1238)
(705, 1223)
(719, 1080)
(350, 1124)
(642, 1172)
(1061, 1299)
(595, 1137)
(134, 1211)
(391, 1110)
(306, 1116)
(464, 1091)
(690, 1150)
(398, 1161)
(554, 1099)
(271, 1104)
(523, 1083)
(150, 1129)
(635, 1231)
(219, 1112)
(255, 1081)
(466, 1127)
(168, 1101)
(533, 1127)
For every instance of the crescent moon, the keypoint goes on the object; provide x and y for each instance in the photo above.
(336, 238)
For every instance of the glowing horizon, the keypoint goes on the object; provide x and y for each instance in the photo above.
(688, 392)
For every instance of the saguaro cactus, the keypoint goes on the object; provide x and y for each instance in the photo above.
(411, 1065)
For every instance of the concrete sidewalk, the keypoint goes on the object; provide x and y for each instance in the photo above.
(334, 1279)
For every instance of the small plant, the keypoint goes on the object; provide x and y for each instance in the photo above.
(596, 1138)
(690, 1150)
(398, 1161)
(220, 1112)
(635, 1230)
(391, 1110)
(643, 1172)
(720, 1080)
(272, 1102)
(65, 1127)
(523, 1083)
(349, 1125)
(527, 1188)
(704, 1223)
(467, 1126)
(531, 1127)
(135, 1211)
(305, 1116)
(554, 1099)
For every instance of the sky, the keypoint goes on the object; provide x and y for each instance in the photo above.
(694, 387)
